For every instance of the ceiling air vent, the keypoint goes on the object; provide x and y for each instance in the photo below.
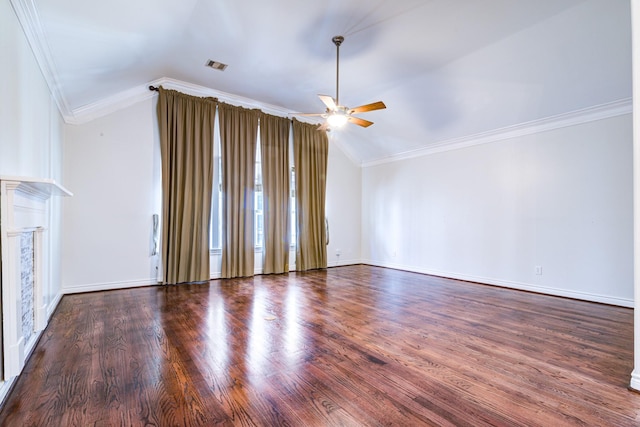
(216, 65)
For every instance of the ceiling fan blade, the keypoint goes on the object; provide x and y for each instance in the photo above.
(324, 126)
(328, 101)
(309, 114)
(360, 122)
(369, 107)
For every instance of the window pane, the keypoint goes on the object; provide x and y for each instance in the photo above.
(215, 229)
(258, 228)
(293, 207)
(215, 232)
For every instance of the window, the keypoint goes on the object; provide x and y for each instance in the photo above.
(215, 232)
(292, 185)
(258, 225)
(215, 228)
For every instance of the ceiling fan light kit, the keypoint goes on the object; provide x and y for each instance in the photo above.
(337, 118)
(338, 115)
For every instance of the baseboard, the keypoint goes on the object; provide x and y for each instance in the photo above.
(292, 268)
(7, 385)
(584, 296)
(635, 380)
(5, 389)
(344, 262)
(108, 286)
(53, 305)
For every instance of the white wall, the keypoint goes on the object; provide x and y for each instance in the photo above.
(30, 125)
(344, 213)
(113, 165)
(560, 199)
(31, 130)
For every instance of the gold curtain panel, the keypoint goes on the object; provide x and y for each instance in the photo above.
(274, 147)
(310, 149)
(186, 143)
(238, 139)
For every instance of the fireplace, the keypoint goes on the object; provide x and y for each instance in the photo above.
(25, 219)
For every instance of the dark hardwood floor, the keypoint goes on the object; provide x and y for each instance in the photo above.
(348, 346)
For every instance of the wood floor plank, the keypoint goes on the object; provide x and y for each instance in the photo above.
(354, 345)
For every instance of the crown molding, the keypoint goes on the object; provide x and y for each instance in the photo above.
(27, 13)
(139, 93)
(572, 118)
(109, 105)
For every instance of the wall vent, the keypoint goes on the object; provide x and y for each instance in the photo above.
(216, 65)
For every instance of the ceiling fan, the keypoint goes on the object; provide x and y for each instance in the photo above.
(337, 115)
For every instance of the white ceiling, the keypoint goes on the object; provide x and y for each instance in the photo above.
(446, 69)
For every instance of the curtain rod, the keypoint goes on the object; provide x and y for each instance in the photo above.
(155, 89)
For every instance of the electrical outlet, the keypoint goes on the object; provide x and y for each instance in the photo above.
(538, 270)
(338, 252)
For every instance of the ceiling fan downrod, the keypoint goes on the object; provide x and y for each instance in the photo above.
(335, 114)
(337, 40)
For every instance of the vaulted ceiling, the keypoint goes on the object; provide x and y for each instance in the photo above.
(446, 69)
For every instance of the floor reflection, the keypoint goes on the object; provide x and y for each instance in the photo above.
(294, 302)
(258, 337)
(218, 333)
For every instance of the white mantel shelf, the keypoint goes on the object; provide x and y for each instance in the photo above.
(42, 188)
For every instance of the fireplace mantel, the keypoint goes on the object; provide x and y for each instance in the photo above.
(41, 189)
(25, 220)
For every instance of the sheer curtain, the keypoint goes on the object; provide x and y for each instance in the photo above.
(238, 139)
(186, 144)
(274, 147)
(310, 147)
